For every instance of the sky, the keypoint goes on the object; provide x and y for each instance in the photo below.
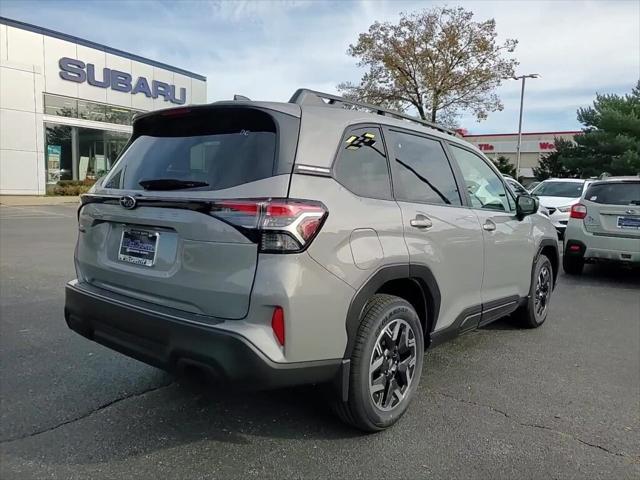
(266, 50)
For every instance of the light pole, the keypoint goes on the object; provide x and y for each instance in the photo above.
(523, 77)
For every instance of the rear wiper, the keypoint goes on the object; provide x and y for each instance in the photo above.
(170, 184)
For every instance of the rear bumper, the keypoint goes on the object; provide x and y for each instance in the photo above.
(601, 247)
(173, 344)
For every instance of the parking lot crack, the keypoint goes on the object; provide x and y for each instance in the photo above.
(533, 425)
(85, 415)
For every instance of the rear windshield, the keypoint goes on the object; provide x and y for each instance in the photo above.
(203, 149)
(559, 189)
(627, 193)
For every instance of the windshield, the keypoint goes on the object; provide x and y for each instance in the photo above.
(614, 193)
(201, 150)
(559, 189)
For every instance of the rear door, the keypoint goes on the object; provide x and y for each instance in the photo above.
(613, 209)
(165, 225)
(508, 242)
(439, 231)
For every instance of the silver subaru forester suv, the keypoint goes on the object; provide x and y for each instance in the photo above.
(319, 241)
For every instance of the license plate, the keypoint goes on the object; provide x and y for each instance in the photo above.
(138, 247)
(632, 223)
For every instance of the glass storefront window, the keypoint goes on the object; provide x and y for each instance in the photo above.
(92, 163)
(60, 106)
(123, 116)
(74, 153)
(58, 152)
(87, 110)
(91, 111)
(114, 143)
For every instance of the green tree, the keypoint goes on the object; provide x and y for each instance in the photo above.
(503, 164)
(610, 141)
(551, 165)
(438, 61)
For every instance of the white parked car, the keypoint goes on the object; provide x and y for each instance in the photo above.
(557, 195)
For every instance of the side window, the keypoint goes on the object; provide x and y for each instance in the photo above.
(421, 171)
(483, 184)
(362, 164)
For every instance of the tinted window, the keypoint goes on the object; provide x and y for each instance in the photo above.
(362, 165)
(614, 193)
(485, 186)
(222, 148)
(421, 171)
(559, 189)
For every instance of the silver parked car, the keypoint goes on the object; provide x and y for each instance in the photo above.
(557, 195)
(274, 244)
(605, 225)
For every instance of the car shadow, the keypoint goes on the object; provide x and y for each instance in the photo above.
(505, 323)
(610, 273)
(187, 411)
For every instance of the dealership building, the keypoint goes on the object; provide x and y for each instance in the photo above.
(533, 147)
(66, 104)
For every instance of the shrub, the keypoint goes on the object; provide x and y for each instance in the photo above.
(73, 187)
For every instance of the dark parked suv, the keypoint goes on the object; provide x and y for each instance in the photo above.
(274, 244)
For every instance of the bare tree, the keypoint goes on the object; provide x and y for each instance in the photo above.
(438, 61)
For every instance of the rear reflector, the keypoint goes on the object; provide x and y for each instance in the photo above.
(574, 248)
(277, 324)
(578, 211)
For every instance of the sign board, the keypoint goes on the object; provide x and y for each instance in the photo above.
(78, 71)
(511, 146)
(54, 152)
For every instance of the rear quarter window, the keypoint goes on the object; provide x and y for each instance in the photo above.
(362, 164)
(618, 193)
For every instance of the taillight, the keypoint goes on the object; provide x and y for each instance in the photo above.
(279, 226)
(578, 211)
(277, 324)
(176, 112)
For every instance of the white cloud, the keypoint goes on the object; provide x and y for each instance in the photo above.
(266, 50)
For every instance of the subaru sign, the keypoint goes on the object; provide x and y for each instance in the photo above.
(80, 72)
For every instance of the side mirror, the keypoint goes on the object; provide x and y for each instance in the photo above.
(526, 205)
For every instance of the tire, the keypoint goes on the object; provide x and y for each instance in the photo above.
(388, 323)
(572, 265)
(534, 312)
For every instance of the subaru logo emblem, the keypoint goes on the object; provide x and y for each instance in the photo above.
(128, 202)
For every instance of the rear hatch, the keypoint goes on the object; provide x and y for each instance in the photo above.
(165, 225)
(613, 209)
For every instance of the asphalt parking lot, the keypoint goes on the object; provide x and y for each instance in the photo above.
(562, 401)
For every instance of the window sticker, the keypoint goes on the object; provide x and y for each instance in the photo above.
(593, 198)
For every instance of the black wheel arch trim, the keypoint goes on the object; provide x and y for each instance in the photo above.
(420, 274)
(555, 262)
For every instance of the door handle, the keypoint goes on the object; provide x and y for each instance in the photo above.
(421, 222)
(489, 226)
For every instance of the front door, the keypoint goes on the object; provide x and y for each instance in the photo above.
(441, 234)
(508, 242)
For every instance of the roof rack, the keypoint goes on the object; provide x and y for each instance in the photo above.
(304, 96)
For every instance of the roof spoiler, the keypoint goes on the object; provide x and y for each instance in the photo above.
(305, 96)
